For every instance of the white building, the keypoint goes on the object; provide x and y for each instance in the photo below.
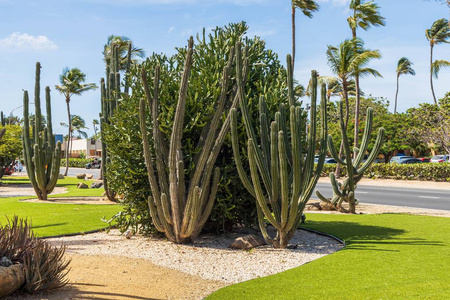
(88, 147)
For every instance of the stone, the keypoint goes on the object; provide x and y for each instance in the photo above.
(81, 175)
(89, 176)
(11, 278)
(247, 242)
(327, 206)
(5, 262)
(128, 234)
(61, 176)
(82, 185)
(96, 185)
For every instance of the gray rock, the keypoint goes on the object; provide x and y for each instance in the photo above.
(11, 278)
(128, 234)
(81, 175)
(82, 185)
(5, 262)
(96, 185)
(247, 242)
(61, 176)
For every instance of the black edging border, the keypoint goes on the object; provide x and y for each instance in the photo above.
(324, 234)
(74, 234)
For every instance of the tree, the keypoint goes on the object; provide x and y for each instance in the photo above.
(307, 7)
(404, 66)
(123, 43)
(438, 33)
(72, 83)
(10, 145)
(346, 61)
(364, 16)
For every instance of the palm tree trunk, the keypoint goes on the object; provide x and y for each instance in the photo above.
(396, 94)
(293, 36)
(431, 73)
(69, 138)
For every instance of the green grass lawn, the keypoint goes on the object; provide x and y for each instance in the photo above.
(50, 219)
(389, 256)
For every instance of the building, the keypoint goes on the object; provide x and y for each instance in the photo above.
(83, 147)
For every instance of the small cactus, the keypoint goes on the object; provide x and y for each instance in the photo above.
(345, 192)
(42, 155)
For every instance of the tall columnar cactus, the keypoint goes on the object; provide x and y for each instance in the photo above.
(3, 123)
(283, 161)
(110, 96)
(179, 205)
(42, 155)
(345, 192)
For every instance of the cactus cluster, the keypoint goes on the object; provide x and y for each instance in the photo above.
(180, 205)
(345, 191)
(110, 96)
(282, 165)
(42, 155)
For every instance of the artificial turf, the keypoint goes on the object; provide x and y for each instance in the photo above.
(50, 219)
(388, 256)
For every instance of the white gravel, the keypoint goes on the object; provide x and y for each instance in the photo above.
(209, 257)
(18, 190)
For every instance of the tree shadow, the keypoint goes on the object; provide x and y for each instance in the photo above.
(48, 225)
(368, 237)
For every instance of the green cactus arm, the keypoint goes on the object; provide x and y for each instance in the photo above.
(50, 135)
(290, 81)
(40, 167)
(366, 137)
(261, 200)
(209, 205)
(322, 197)
(335, 185)
(152, 105)
(296, 163)
(37, 102)
(283, 175)
(333, 151)
(154, 215)
(127, 72)
(275, 170)
(181, 183)
(166, 209)
(54, 172)
(175, 140)
(237, 156)
(147, 153)
(193, 215)
(282, 123)
(376, 149)
(262, 225)
(247, 119)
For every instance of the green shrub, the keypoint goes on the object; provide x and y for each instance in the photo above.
(76, 162)
(424, 171)
(127, 173)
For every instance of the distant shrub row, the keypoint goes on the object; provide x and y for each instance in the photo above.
(425, 171)
(76, 162)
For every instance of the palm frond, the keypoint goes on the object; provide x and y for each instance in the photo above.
(438, 65)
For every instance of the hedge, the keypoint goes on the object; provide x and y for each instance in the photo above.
(424, 171)
(76, 162)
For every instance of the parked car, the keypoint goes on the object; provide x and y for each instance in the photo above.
(9, 170)
(424, 159)
(95, 164)
(440, 158)
(397, 159)
(330, 160)
(411, 160)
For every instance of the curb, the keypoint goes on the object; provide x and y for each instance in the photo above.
(74, 234)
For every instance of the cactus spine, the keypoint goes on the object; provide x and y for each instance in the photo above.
(42, 155)
(180, 207)
(345, 192)
(288, 178)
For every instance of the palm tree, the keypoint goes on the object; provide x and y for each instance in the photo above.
(123, 43)
(307, 7)
(72, 83)
(364, 16)
(438, 33)
(347, 61)
(404, 66)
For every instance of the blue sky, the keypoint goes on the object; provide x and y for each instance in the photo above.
(72, 33)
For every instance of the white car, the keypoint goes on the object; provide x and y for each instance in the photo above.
(440, 158)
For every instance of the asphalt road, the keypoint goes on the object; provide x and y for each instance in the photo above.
(71, 173)
(410, 197)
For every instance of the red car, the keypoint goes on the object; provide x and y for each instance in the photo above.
(424, 159)
(9, 170)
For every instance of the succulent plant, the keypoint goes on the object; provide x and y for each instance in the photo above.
(283, 161)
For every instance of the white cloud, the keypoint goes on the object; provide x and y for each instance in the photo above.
(23, 41)
(171, 29)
